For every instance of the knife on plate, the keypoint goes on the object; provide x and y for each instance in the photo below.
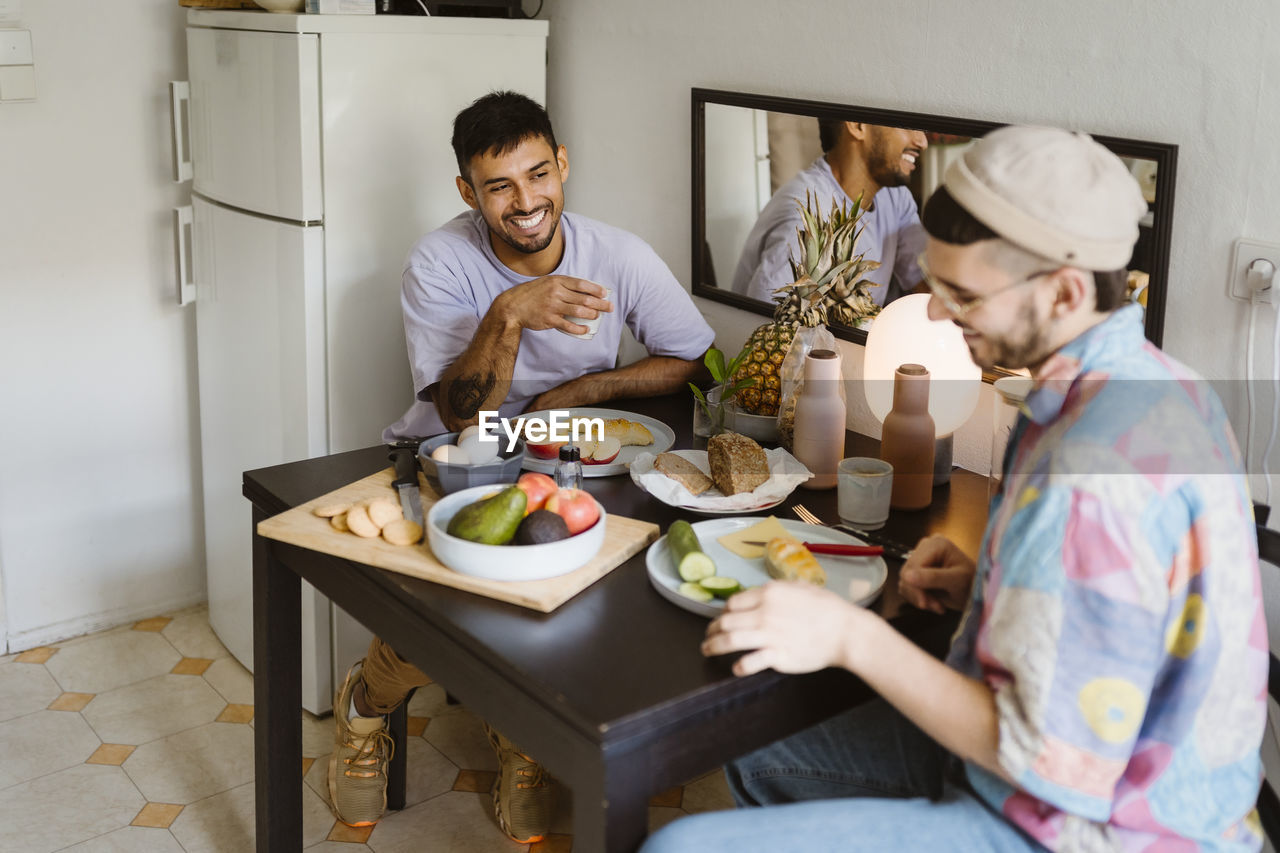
(406, 482)
(833, 548)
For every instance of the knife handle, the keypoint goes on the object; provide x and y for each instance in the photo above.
(840, 549)
(406, 462)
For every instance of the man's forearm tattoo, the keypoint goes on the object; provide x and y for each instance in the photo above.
(467, 393)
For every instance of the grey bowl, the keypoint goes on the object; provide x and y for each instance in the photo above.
(446, 477)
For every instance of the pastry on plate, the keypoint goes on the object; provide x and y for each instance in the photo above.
(786, 559)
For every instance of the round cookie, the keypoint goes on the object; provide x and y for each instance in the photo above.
(339, 523)
(402, 531)
(382, 511)
(360, 523)
(331, 510)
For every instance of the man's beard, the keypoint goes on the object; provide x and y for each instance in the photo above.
(885, 172)
(538, 244)
(1027, 351)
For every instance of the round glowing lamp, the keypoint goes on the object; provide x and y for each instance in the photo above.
(903, 334)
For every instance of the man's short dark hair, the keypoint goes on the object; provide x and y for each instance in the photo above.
(829, 130)
(944, 219)
(497, 123)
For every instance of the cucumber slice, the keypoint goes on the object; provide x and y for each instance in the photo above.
(720, 587)
(691, 563)
(694, 591)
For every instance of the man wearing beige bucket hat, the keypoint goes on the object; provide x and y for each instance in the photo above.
(1106, 687)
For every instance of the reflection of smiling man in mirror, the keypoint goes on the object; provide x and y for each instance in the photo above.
(859, 160)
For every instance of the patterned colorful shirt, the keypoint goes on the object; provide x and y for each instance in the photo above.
(1117, 611)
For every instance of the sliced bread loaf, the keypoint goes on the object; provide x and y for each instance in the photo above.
(737, 463)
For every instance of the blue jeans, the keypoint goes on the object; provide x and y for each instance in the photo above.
(865, 780)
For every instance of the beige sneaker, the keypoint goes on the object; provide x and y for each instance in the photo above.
(358, 767)
(522, 794)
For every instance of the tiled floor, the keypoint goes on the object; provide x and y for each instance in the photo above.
(139, 740)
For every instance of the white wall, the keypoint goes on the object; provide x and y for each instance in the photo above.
(1170, 71)
(99, 462)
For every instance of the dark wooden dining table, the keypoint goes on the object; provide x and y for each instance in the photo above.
(609, 691)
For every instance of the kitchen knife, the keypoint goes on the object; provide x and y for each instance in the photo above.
(406, 482)
(833, 548)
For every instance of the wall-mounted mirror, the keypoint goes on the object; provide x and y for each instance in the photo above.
(754, 156)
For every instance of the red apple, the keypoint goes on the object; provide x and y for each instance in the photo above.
(603, 451)
(578, 509)
(537, 488)
(545, 451)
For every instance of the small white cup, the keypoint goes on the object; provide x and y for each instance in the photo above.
(864, 485)
(592, 325)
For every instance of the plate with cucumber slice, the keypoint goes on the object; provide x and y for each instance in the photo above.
(691, 569)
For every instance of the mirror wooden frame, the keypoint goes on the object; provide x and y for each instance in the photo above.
(1165, 156)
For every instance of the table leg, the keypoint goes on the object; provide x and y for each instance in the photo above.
(277, 698)
(612, 815)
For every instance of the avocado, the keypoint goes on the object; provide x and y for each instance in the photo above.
(540, 526)
(491, 521)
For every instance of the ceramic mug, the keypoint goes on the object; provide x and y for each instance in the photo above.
(863, 487)
(593, 326)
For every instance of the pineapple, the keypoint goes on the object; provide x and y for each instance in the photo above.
(828, 287)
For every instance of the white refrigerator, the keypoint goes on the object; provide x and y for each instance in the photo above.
(318, 151)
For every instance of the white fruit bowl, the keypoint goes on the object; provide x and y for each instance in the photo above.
(507, 562)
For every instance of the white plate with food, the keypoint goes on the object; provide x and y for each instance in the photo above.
(678, 489)
(634, 433)
(858, 579)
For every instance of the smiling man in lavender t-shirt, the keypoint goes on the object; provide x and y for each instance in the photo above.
(485, 299)
(485, 295)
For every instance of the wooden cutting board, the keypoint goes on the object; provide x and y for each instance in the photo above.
(623, 538)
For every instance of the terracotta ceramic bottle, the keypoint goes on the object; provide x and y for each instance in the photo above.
(819, 432)
(908, 438)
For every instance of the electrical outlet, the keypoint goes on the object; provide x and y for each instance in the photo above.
(1244, 254)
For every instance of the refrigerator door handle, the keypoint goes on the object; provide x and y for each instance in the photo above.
(182, 244)
(180, 115)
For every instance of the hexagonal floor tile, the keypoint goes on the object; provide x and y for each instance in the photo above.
(130, 839)
(709, 793)
(230, 679)
(24, 689)
(65, 808)
(190, 634)
(112, 661)
(42, 743)
(459, 734)
(457, 821)
(193, 764)
(224, 823)
(142, 712)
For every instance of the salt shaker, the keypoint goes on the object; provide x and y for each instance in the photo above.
(819, 431)
(569, 468)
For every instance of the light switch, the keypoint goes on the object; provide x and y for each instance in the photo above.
(17, 82)
(10, 11)
(15, 47)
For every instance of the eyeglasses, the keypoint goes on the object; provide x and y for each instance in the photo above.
(954, 306)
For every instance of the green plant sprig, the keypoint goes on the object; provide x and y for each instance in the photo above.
(720, 374)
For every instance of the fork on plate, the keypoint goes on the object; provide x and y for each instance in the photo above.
(892, 548)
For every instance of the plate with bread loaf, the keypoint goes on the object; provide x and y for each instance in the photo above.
(698, 566)
(626, 436)
(732, 476)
